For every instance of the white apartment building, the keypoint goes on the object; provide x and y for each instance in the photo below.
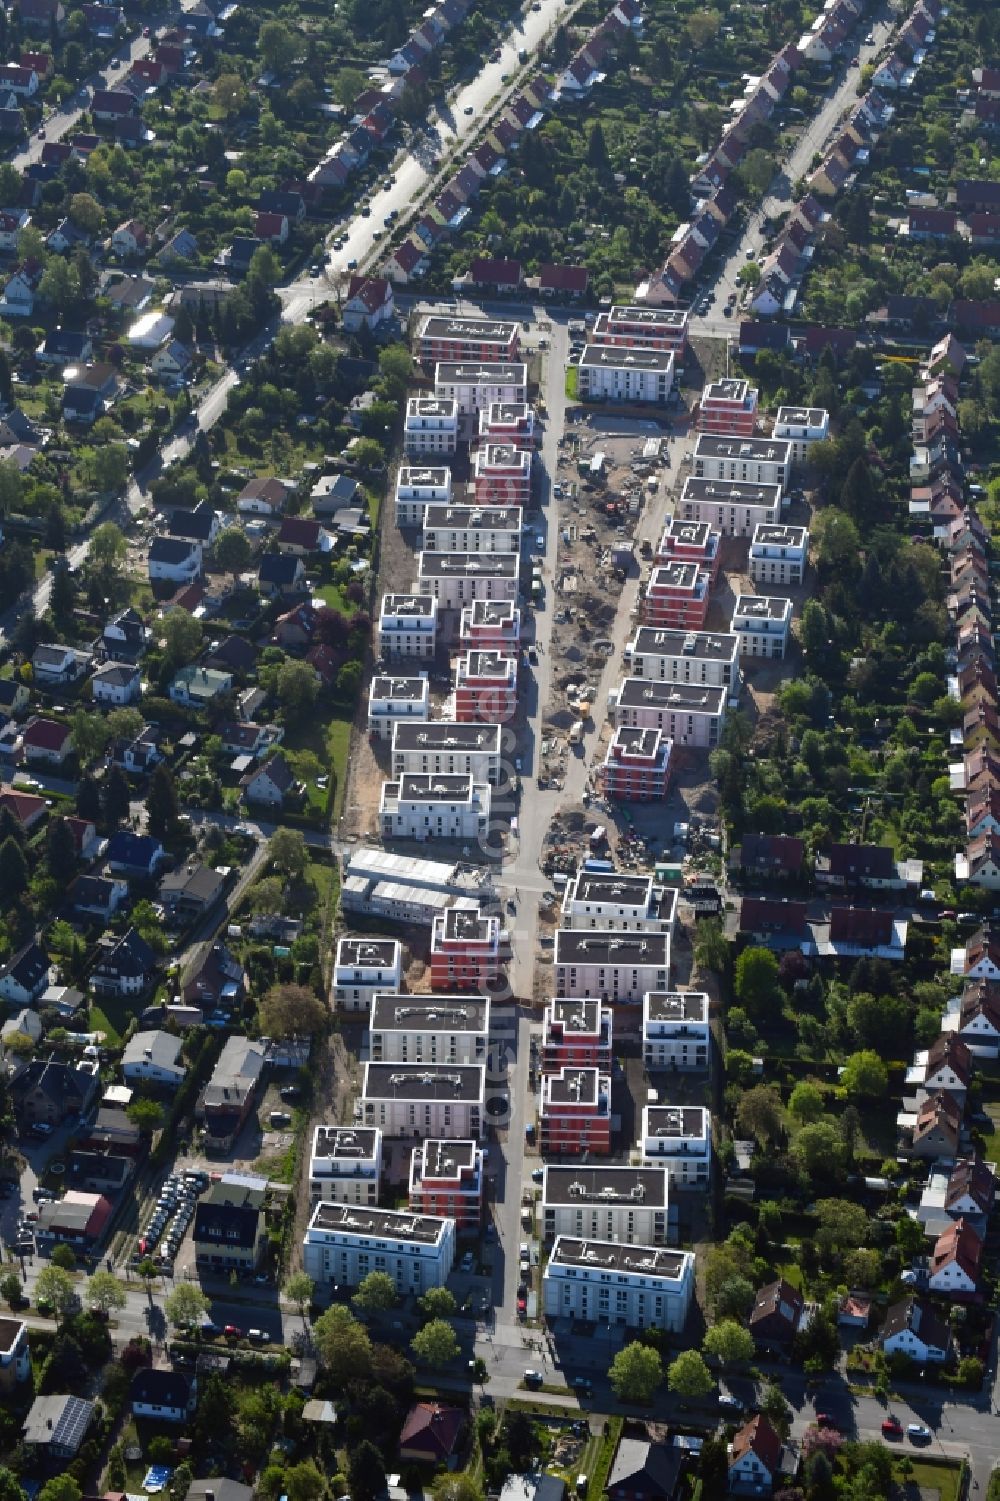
(345, 1165)
(802, 426)
(664, 656)
(430, 426)
(477, 384)
(420, 486)
(392, 698)
(689, 713)
(763, 622)
(642, 1287)
(456, 579)
(363, 967)
(779, 554)
(627, 1205)
(615, 899)
(445, 747)
(425, 1099)
(748, 461)
(432, 805)
(733, 507)
(679, 1138)
(607, 373)
(613, 966)
(407, 625)
(675, 1029)
(472, 529)
(344, 1243)
(424, 1028)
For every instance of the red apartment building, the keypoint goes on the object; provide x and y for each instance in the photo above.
(467, 340)
(575, 1113)
(446, 1179)
(485, 687)
(636, 767)
(508, 422)
(491, 625)
(502, 475)
(677, 596)
(729, 408)
(663, 329)
(690, 542)
(576, 1031)
(465, 950)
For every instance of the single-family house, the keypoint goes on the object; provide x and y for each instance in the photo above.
(267, 496)
(154, 1058)
(271, 783)
(280, 573)
(58, 664)
(133, 854)
(46, 742)
(125, 966)
(163, 1396)
(176, 559)
(755, 1455)
(195, 687)
(116, 683)
(24, 978)
(913, 1327)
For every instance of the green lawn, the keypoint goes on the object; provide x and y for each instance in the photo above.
(112, 1022)
(931, 1475)
(334, 596)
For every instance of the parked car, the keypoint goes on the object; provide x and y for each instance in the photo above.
(532, 1379)
(918, 1433)
(892, 1428)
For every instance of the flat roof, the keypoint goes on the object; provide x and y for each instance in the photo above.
(470, 925)
(487, 664)
(577, 1185)
(481, 373)
(734, 491)
(610, 357)
(493, 611)
(677, 575)
(594, 946)
(700, 646)
(803, 416)
(684, 1122)
(423, 476)
(774, 450)
(762, 606)
(424, 1081)
(408, 604)
(509, 411)
(414, 689)
(650, 316)
(637, 740)
(10, 1332)
(432, 787)
(368, 953)
(445, 734)
(612, 889)
(473, 518)
(346, 1143)
(769, 534)
(691, 533)
(381, 864)
(574, 1085)
(394, 1012)
(610, 1256)
(502, 456)
(446, 1160)
(394, 1224)
(728, 389)
(683, 698)
(677, 1005)
(437, 327)
(580, 1014)
(463, 564)
(432, 406)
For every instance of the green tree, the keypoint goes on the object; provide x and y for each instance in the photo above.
(347, 85)
(366, 1471)
(865, 1075)
(60, 1488)
(395, 365)
(90, 734)
(182, 635)
(819, 1146)
(287, 853)
(12, 1294)
(297, 687)
(105, 1292)
(456, 1486)
(185, 1306)
(108, 550)
(841, 1225)
(759, 1113)
(13, 873)
(376, 1292)
(438, 1303)
(146, 1114)
(60, 849)
(756, 979)
(108, 468)
(56, 1287)
(711, 947)
(436, 1344)
(729, 1343)
(689, 1377)
(343, 1344)
(161, 801)
(635, 1372)
(117, 798)
(805, 1102)
(10, 1488)
(59, 286)
(278, 47)
(64, 1257)
(292, 1011)
(229, 94)
(299, 1289)
(86, 213)
(304, 1482)
(232, 550)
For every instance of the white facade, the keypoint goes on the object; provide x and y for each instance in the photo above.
(668, 656)
(363, 967)
(421, 1099)
(407, 625)
(675, 1029)
(752, 461)
(472, 529)
(418, 487)
(643, 1287)
(155, 1058)
(392, 698)
(345, 1165)
(623, 1204)
(425, 1028)
(606, 373)
(445, 747)
(476, 385)
(802, 426)
(344, 1243)
(612, 966)
(778, 554)
(687, 713)
(602, 900)
(763, 622)
(679, 1137)
(456, 579)
(431, 425)
(734, 507)
(428, 805)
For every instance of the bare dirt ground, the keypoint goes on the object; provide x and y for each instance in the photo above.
(337, 1081)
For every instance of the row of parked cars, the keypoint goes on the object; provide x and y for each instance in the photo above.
(171, 1217)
